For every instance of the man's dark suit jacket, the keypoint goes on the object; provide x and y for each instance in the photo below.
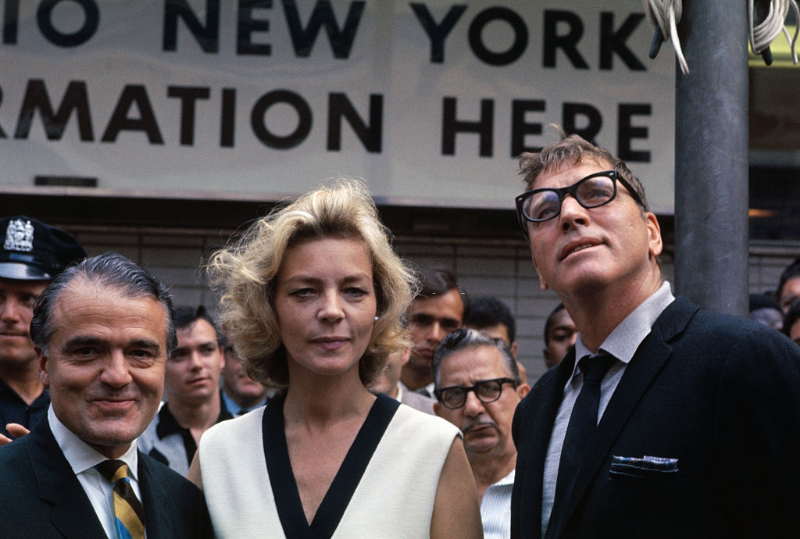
(41, 497)
(719, 393)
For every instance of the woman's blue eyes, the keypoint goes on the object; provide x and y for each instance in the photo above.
(301, 293)
(309, 292)
(357, 292)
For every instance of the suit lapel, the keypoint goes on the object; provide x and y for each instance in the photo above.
(73, 514)
(650, 358)
(153, 497)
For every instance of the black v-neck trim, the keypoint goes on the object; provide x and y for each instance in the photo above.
(334, 504)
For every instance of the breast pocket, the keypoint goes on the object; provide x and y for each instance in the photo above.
(647, 467)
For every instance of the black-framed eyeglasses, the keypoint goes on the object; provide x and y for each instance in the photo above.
(593, 191)
(454, 397)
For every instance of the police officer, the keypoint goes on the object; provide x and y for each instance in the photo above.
(32, 254)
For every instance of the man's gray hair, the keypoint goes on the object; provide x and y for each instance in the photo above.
(110, 270)
(464, 338)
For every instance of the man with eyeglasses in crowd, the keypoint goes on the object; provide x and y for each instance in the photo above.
(439, 308)
(478, 387)
(663, 420)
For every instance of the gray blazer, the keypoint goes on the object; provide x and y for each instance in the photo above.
(418, 401)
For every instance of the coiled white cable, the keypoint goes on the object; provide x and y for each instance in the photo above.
(664, 16)
(764, 33)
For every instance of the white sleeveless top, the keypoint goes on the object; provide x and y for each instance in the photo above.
(394, 498)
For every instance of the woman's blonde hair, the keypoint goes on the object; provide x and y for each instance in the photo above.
(244, 275)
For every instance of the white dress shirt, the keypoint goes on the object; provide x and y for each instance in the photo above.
(233, 407)
(83, 459)
(496, 509)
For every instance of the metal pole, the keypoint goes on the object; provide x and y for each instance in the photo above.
(711, 168)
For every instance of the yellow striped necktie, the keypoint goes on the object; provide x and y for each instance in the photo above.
(127, 507)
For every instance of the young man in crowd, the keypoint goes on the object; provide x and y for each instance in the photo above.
(240, 393)
(438, 309)
(191, 390)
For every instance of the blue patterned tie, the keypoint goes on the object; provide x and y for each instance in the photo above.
(127, 508)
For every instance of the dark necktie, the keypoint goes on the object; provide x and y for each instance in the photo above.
(582, 424)
(127, 508)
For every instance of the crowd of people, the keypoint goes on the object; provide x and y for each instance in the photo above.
(339, 392)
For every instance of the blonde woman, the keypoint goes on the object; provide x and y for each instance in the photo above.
(312, 297)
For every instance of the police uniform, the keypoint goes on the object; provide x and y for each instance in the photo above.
(31, 251)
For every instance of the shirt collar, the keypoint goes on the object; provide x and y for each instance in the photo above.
(44, 395)
(507, 480)
(623, 342)
(167, 424)
(80, 455)
(6, 389)
(234, 409)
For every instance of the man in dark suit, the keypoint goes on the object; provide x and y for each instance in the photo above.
(102, 333)
(663, 420)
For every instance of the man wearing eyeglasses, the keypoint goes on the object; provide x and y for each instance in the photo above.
(478, 387)
(663, 420)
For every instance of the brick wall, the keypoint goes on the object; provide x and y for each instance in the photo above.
(484, 267)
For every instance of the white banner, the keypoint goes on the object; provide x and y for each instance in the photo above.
(429, 101)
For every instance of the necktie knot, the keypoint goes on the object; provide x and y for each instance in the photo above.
(594, 369)
(113, 470)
